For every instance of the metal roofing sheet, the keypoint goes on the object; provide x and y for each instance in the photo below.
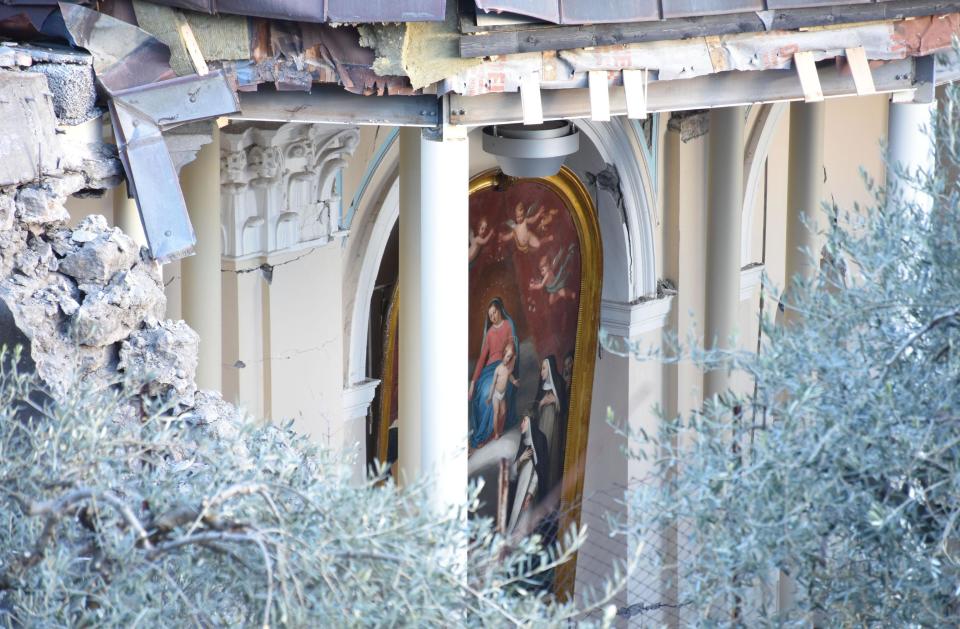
(624, 11)
(350, 11)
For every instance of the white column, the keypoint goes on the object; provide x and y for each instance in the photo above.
(804, 191)
(433, 313)
(724, 203)
(910, 146)
(201, 281)
(408, 363)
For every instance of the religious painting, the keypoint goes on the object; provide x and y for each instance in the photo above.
(534, 253)
(535, 279)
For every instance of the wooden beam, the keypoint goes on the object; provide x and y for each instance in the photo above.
(860, 69)
(599, 95)
(331, 104)
(190, 43)
(806, 69)
(539, 39)
(717, 90)
(635, 84)
(530, 98)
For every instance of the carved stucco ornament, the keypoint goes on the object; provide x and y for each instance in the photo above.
(279, 187)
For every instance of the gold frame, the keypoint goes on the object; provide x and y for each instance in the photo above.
(583, 212)
(386, 388)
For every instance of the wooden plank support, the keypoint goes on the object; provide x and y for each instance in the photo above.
(541, 38)
(599, 95)
(860, 69)
(530, 99)
(635, 91)
(809, 79)
(190, 42)
(719, 90)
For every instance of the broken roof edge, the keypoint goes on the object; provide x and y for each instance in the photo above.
(702, 92)
(319, 12)
(542, 37)
(700, 56)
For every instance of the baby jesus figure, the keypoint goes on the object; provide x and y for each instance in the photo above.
(521, 231)
(553, 276)
(498, 392)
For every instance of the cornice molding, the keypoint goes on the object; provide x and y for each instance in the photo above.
(358, 397)
(630, 320)
(751, 277)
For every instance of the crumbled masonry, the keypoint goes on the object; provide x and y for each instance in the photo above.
(87, 302)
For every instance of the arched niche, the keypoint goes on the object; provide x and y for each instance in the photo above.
(627, 226)
(755, 152)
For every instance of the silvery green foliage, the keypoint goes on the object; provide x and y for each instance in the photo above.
(169, 522)
(842, 468)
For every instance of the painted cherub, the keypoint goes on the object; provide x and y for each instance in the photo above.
(553, 276)
(547, 219)
(521, 231)
(478, 240)
(498, 391)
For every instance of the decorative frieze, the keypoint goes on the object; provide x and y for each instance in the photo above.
(279, 187)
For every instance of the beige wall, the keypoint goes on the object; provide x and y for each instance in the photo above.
(305, 343)
(287, 343)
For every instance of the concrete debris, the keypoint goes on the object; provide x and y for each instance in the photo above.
(37, 306)
(85, 303)
(37, 205)
(43, 203)
(84, 151)
(109, 314)
(28, 143)
(164, 358)
(73, 89)
(12, 241)
(100, 251)
(212, 411)
(7, 210)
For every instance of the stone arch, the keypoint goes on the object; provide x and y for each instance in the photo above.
(370, 232)
(755, 152)
(618, 143)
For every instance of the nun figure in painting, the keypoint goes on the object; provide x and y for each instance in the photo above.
(529, 469)
(552, 408)
(498, 333)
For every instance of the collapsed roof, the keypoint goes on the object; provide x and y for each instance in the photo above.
(290, 60)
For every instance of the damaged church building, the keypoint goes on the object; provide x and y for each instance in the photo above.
(321, 211)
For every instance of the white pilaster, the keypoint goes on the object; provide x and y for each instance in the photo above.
(202, 295)
(804, 189)
(433, 313)
(724, 203)
(910, 147)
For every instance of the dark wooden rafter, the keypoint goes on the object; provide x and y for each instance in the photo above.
(540, 38)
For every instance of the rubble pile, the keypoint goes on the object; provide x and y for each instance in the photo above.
(86, 302)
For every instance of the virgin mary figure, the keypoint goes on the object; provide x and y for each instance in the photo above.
(498, 331)
(552, 408)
